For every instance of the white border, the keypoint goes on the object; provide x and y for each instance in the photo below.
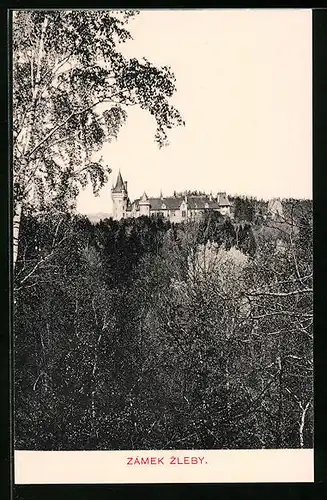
(110, 467)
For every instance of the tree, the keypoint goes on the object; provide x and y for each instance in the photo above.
(141, 333)
(279, 292)
(71, 89)
(244, 208)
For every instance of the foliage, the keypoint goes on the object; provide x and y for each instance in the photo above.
(71, 91)
(142, 334)
(244, 208)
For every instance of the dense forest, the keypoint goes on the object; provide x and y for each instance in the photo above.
(142, 334)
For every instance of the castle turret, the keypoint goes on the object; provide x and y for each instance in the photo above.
(144, 205)
(223, 202)
(275, 208)
(119, 198)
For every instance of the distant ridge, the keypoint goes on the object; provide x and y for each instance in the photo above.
(94, 218)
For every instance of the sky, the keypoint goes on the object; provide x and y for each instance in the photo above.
(244, 89)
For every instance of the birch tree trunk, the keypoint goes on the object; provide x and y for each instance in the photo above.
(16, 226)
(27, 134)
(302, 423)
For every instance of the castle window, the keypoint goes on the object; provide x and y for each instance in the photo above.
(183, 213)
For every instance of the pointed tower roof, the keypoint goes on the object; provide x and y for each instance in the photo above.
(120, 186)
(144, 200)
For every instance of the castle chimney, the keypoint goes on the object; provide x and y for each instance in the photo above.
(125, 184)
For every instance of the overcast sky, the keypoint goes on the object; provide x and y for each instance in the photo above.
(244, 90)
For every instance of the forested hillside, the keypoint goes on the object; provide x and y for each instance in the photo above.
(141, 334)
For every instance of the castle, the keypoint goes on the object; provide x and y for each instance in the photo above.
(175, 208)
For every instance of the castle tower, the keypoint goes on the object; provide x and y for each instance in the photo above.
(144, 205)
(275, 208)
(119, 198)
(223, 202)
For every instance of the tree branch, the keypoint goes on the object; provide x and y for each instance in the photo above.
(75, 113)
(281, 294)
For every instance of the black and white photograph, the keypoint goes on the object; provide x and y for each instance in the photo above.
(162, 230)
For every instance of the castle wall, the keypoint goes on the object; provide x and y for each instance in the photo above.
(224, 210)
(182, 213)
(119, 205)
(144, 210)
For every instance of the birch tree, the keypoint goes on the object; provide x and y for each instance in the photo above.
(71, 91)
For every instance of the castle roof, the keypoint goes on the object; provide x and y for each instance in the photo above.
(129, 205)
(144, 200)
(223, 200)
(174, 202)
(275, 204)
(120, 186)
(201, 203)
(171, 203)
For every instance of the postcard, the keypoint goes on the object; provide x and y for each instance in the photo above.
(162, 246)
